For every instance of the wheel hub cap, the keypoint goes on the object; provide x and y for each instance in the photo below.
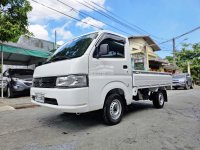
(161, 99)
(115, 109)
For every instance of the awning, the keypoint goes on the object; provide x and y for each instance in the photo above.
(15, 54)
(158, 61)
(19, 55)
(170, 67)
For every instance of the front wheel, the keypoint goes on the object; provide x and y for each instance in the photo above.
(10, 93)
(159, 100)
(113, 109)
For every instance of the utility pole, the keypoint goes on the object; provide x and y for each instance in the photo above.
(188, 67)
(55, 45)
(146, 59)
(1, 70)
(174, 51)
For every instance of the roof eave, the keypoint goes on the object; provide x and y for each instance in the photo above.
(149, 40)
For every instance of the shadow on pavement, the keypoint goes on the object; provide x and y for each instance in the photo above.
(139, 106)
(72, 123)
(23, 94)
(18, 95)
(67, 122)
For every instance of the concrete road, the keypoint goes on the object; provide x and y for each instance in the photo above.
(175, 127)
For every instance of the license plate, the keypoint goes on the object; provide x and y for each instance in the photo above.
(39, 97)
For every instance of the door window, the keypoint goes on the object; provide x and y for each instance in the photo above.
(116, 49)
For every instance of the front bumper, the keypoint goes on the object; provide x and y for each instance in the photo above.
(71, 100)
(178, 84)
(19, 88)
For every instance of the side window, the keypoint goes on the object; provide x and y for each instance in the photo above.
(116, 49)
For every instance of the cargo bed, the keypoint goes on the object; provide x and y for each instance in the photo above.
(149, 79)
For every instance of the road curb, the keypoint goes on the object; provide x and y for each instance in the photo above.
(6, 108)
(17, 106)
(24, 106)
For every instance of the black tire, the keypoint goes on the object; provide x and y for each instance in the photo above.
(10, 92)
(175, 88)
(159, 100)
(186, 87)
(191, 87)
(113, 109)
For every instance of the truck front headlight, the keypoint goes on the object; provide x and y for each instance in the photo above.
(72, 81)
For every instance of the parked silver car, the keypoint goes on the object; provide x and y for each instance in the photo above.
(183, 80)
(16, 81)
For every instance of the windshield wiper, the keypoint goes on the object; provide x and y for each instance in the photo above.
(58, 58)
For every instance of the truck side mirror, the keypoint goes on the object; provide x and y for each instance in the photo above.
(103, 49)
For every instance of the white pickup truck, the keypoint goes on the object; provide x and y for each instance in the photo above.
(93, 72)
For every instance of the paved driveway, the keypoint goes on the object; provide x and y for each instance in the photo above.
(175, 127)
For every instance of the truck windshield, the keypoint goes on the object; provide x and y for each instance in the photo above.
(74, 48)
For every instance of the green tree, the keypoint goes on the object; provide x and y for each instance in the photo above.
(169, 58)
(190, 53)
(13, 19)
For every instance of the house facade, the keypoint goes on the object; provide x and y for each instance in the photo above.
(143, 50)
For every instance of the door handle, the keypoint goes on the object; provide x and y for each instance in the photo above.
(125, 66)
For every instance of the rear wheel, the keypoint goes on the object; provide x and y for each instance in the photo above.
(113, 109)
(186, 87)
(159, 99)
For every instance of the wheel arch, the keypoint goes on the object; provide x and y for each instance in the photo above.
(164, 91)
(116, 87)
(165, 95)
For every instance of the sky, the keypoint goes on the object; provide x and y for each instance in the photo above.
(160, 19)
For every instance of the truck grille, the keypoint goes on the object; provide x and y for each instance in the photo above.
(44, 82)
(175, 82)
(51, 101)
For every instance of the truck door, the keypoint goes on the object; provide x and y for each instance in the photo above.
(110, 67)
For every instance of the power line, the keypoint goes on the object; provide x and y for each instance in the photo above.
(88, 5)
(197, 28)
(179, 43)
(67, 15)
(71, 16)
(128, 23)
(86, 15)
(179, 36)
(116, 15)
(111, 18)
(78, 19)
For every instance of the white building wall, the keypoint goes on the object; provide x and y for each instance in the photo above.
(139, 44)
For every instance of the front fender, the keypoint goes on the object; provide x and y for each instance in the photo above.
(116, 85)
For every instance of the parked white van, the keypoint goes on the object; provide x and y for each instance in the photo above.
(94, 72)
